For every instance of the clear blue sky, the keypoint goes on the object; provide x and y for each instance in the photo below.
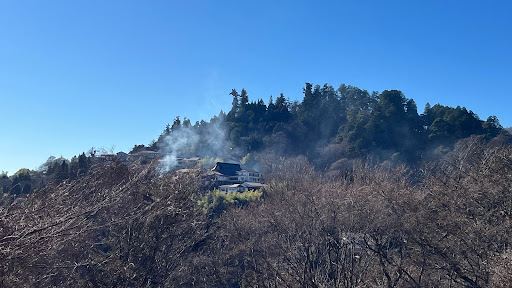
(78, 74)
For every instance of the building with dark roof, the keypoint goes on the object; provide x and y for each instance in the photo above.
(227, 169)
(230, 173)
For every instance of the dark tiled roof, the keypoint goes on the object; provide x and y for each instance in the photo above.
(228, 169)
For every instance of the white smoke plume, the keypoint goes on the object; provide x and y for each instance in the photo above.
(204, 140)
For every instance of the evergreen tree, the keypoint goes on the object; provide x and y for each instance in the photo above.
(63, 172)
(244, 98)
(167, 130)
(427, 108)
(73, 168)
(281, 102)
(83, 164)
(176, 124)
(186, 123)
(235, 104)
(308, 96)
(492, 127)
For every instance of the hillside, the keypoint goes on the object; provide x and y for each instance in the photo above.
(444, 223)
(326, 126)
(362, 191)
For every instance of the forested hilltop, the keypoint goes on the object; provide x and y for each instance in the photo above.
(330, 127)
(362, 191)
(332, 124)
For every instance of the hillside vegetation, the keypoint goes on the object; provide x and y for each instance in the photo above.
(362, 191)
(330, 124)
(445, 223)
(331, 127)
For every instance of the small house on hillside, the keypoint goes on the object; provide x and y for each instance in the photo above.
(230, 173)
(227, 169)
(232, 188)
(244, 187)
(249, 176)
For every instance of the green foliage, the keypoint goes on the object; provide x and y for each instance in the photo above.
(62, 172)
(235, 105)
(248, 160)
(176, 124)
(447, 123)
(5, 182)
(83, 164)
(492, 127)
(215, 202)
(22, 175)
(20, 182)
(363, 123)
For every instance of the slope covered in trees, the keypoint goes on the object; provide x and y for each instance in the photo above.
(328, 125)
(331, 127)
(363, 191)
(443, 224)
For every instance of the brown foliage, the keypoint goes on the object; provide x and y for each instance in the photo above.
(118, 226)
(444, 224)
(440, 225)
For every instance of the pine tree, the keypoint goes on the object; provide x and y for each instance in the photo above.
(176, 125)
(83, 164)
(186, 123)
(244, 98)
(63, 173)
(235, 104)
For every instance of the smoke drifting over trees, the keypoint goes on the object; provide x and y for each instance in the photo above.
(328, 125)
(185, 140)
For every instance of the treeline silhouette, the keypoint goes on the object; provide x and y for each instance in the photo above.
(331, 124)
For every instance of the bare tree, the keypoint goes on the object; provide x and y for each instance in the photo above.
(116, 221)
